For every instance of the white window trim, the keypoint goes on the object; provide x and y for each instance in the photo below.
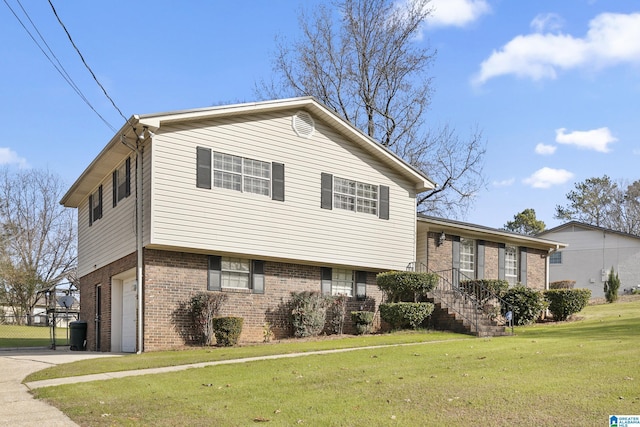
(471, 273)
(226, 272)
(511, 265)
(243, 174)
(358, 200)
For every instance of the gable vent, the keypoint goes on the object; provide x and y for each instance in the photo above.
(303, 124)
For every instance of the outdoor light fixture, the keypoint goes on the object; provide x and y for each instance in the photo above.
(441, 239)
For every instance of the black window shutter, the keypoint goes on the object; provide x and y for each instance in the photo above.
(326, 196)
(90, 209)
(277, 181)
(214, 277)
(501, 261)
(325, 287)
(455, 258)
(257, 277)
(99, 203)
(128, 177)
(361, 284)
(114, 180)
(203, 168)
(383, 208)
(523, 266)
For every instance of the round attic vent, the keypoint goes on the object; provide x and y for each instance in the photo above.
(303, 124)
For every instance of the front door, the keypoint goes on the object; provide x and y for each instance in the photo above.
(129, 315)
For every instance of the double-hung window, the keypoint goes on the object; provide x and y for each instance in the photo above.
(468, 258)
(555, 258)
(345, 282)
(95, 205)
(511, 264)
(241, 174)
(350, 195)
(235, 273)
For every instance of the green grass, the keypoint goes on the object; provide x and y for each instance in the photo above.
(12, 336)
(574, 373)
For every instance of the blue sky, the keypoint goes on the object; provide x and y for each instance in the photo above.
(554, 86)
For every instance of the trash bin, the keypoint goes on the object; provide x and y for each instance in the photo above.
(78, 335)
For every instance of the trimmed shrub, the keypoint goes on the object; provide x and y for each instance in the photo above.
(363, 321)
(404, 315)
(527, 304)
(308, 313)
(484, 289)
(611, 287)
(407, 286)
(562, 284)
(227, 330)
(203, 307)
(565, 302)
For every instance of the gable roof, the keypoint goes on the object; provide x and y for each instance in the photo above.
(584, 225)
(115, 150)
(488, 233)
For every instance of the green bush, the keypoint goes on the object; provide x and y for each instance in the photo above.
(527, 304)
(611, 287)
(404, 315)
(308, 313)
(484, 289)
(203, 307)
(407, 286)
(565, 302)
(363, 321)
(562, 284)
(337, 313)
(227, 330)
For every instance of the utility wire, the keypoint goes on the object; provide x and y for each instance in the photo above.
(87, 65)
(59, 67)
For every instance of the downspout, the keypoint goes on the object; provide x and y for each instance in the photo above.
(139, 243)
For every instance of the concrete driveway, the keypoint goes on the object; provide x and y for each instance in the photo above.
(17, 406)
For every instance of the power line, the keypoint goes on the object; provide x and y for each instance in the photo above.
(87, 65)
(59, 67)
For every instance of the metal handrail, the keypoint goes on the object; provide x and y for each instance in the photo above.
(485, 294)
(453, 287)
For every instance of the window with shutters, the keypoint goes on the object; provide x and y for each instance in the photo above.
(339, 281)
(122, 182)
(353, 196)
(95, 205)
(239, 174)
(235, 273)
(511, 264)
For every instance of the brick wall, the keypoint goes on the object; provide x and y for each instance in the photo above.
(172, 278)
(536, 268)
(88, 285)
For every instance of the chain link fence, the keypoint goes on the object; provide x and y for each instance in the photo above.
(38, 330)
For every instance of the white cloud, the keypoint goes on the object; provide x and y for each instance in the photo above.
(456, 13)
(596, 139)
(545, 150)
(10, 157)
(504, 182)
(547, 177)
(612, 39)
(547, 22)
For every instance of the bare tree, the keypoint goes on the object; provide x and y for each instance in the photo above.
(363, 59)
(39, 236)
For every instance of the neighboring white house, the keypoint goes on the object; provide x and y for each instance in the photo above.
(251, 200)
(591, 253)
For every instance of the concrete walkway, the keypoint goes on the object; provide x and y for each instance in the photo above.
(17, 406)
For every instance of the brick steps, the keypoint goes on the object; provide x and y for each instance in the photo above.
(456, 314)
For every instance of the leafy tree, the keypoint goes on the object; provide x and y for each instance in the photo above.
(38, 237)
(525, 222)
(363, 59)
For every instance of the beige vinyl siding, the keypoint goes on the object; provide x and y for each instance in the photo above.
(229, 221)
(112, 236)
